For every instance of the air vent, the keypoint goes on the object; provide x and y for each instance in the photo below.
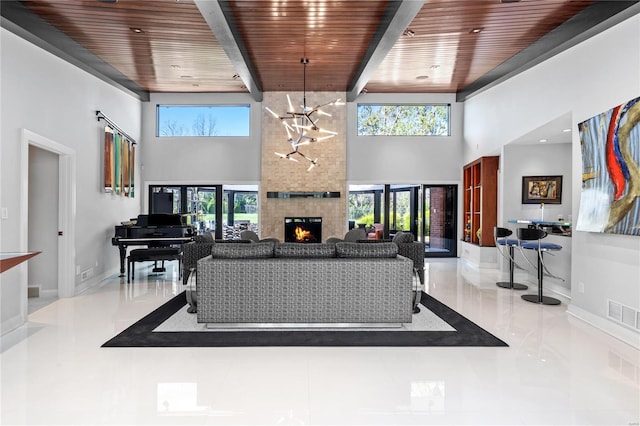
(623, 314)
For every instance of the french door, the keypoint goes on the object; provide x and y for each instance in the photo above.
(224, 210)
(427, 211)
(439, 213)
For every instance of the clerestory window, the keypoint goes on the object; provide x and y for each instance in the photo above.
(202, 120)
(404, 119)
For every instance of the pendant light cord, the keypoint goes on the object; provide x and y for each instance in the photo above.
(304, 62)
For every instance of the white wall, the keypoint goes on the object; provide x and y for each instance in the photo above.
(56, 100)
(538, 160)
(592, 77)
(534, 160)
(378, 159)
(200, 160)
(369, 159)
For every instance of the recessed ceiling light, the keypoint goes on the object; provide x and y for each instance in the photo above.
(543, 140)
(195, 85)
(409, 33)
(175, 67)
(422, 77)
(186, 76)
(566, 130)
(476, 30)
(137, 30)
(434, 66)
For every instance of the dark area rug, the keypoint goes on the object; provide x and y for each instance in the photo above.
(141, 333)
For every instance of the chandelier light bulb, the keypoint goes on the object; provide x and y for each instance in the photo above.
(299, 124)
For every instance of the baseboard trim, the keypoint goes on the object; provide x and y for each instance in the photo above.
(48, 293)
(95, 281)
(619, 332)
(12, 323)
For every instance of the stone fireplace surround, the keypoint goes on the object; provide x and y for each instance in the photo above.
(281, 175)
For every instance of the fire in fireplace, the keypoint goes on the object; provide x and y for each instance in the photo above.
(303, 229)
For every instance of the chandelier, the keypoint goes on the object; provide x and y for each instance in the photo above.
(302, 127)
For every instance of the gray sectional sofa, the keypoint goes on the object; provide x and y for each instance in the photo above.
(293, 284)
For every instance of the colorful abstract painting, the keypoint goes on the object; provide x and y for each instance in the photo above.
(119, 163)
(610, 198)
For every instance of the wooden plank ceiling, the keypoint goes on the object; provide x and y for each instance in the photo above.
(176, 51)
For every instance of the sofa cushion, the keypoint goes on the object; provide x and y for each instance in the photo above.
(403, 237)
(346, 249)
(242, 251)
(301, 250)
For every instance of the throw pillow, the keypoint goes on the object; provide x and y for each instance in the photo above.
(403, 237)
(305, 250)
(242, 251)
(353, 250)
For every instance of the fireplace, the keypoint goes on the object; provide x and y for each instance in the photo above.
(303, 229)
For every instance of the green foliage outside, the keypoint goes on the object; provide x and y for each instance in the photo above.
(402, 225)
(245, 203)
(403, 120)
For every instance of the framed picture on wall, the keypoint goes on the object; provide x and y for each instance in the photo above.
(541, 189)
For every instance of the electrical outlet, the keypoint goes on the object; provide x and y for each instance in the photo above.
(77, 269)
(84, 275)
(5, 213)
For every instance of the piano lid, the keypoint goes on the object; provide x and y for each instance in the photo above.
(159, 219)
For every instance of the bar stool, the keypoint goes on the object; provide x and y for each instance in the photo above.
(500, 236)
(533, 241)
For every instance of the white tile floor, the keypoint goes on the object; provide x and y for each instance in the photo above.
(557, 369)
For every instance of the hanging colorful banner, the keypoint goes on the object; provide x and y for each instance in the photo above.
(132, 164)
(119, 163)
(108, 159)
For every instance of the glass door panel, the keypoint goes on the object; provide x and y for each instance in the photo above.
(204, 206)
(366, 203)
(403, 209)
(240, 210)
(165, 199)
(439, 224)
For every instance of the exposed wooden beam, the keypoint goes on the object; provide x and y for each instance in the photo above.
(397, 18)
(220, 19)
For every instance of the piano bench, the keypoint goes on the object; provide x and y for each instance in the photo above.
(152, 255)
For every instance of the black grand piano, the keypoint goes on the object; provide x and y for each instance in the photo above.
(151, 230)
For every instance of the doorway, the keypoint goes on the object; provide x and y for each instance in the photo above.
(427, 211)
(439, 225)
(63, 226)
(42, 286)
